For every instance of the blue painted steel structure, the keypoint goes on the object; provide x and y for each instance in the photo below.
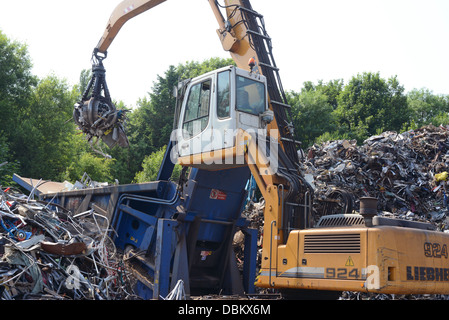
(176, 232)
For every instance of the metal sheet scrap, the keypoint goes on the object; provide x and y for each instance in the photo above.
(407, 172)
(48, 253)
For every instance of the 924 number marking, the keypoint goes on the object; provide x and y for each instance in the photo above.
(343, 273)
(435, 250)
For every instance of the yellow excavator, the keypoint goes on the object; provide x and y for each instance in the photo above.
(238, 117)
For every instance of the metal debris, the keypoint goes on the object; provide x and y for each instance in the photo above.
(47, 253)
(404, 171)
(96, 115)
(254, 213)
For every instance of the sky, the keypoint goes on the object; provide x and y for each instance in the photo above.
(312, 40)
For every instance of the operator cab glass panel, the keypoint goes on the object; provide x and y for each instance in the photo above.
(216, 105)
(251, 97)
(223, 96)
(196, 115)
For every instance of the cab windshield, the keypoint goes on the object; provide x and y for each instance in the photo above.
(251, 96)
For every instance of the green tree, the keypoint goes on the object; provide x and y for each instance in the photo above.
(16, 83)
(192, 69)
(312, 110)
(43, 141)
(369, 105)
(85, 76)
(8, 166)
(151, 165)
(98, 168)
(311, 115)
(158, 110)
(427, 108)
(331, 90)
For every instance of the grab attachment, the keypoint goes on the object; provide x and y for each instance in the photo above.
(95, 114)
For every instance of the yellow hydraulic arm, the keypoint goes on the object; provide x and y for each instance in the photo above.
(125, 11)
(242, 33)
(232, 34)
(244, 44)
(378, 258)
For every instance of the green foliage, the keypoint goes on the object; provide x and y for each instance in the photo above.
(331, 90)
(369, 104)
(16, 82)
(43, 141)
(327, 136)
(365, 106)
(98, 169)
(192, 69)
(8, 166)
(85, 76)
(312, 110)
(38, 137)
(427, 108)
(151, 165)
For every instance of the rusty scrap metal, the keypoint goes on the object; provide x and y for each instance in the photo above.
(96, 115)
(399, 170)
(47, 253)
(407, 173)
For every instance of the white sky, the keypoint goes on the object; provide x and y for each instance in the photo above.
(312, 40)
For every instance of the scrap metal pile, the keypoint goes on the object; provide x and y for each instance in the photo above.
(407, 172)
(47, 253)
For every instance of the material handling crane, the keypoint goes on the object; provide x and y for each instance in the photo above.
(231, 124)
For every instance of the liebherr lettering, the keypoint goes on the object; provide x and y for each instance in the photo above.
(427, 274)
(431, 250)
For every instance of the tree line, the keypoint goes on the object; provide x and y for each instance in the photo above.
(39, 139)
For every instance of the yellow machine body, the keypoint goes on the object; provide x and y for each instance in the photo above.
(382, 259)
(376, 256)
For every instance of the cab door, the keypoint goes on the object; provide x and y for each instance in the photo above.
(193, 134)
(251, 100)
(223, 114)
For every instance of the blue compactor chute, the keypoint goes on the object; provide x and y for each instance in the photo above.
(175, 232)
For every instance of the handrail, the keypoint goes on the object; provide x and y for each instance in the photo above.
(271, 251)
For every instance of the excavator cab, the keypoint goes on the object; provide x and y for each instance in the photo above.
(214, 106)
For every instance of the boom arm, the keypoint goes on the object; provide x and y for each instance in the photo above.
(351, 253)
(242, 33)
(125, 11)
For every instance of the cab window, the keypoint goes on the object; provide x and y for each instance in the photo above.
(251, 97)
(223, 101)
(196, 116)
